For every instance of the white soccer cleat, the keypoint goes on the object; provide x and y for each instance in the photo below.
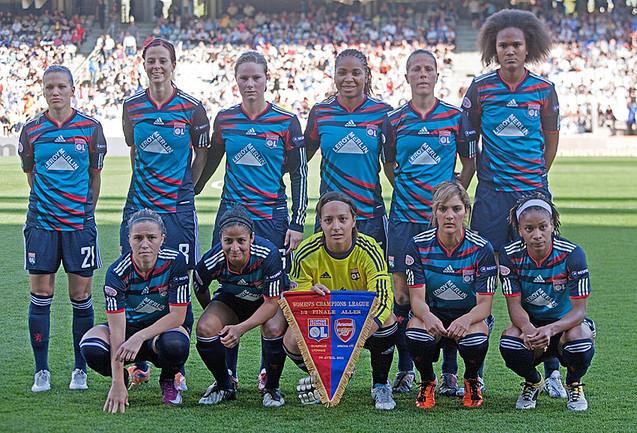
(382, 397)
(308, 394)
(528, 398)
(215, 395)
(554, 386)
(272, 397)
(576, 399)
(41, 381)
(78, 379)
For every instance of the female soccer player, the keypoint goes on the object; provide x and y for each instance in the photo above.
(423, 138)
(517, 114)
(262, 142)
(164, 127)
(250, 275)
(62, 152)
(148, 310)
(545, 281)
(451, 275)
(347, 129)
(325, 262)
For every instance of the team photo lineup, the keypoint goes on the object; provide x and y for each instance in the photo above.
(434, 259)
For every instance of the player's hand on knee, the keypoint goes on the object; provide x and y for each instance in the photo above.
(230, 336)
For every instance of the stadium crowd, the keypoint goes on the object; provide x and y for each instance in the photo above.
(593, 61)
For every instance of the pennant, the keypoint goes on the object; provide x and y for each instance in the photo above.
(331, 331)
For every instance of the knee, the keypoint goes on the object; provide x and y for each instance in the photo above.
(512, 331)
(289, 342)
(96, 352)
(383, 340)
(173, 344)
(206, 327)
(274, 328)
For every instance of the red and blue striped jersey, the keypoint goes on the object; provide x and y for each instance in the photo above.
(513, 121)
(164, 136)
(59, 157)
(146, 299)
(424, 147)
(452, 279)
(546, 287)
(262, 275)
(259, 152)
(351, 144)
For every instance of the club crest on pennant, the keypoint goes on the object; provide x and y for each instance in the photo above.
(179, 129)
(318, 329)
(345, 329)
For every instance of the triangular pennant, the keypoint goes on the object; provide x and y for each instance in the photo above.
(331, 331)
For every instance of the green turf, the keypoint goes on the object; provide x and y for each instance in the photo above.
(598, 202)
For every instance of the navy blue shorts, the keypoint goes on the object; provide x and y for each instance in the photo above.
(182, 234)
(273, 230)
(489, 217)
(242, 308)
(552, 350)
(399, 234)
(45, 249)
(374, 227)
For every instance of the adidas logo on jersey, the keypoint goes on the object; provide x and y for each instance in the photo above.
(350, 124)
(511, 127)
(512, 103)
(242, 282)
(448, 270)
(325, 275)
(155, 143)
(351, 144)
(60, 139)
(158, 122)
(539, 279)
(145, 291)
(249, 156)
(251, 132)
(423, 131)
(61, 161)
(424, 156)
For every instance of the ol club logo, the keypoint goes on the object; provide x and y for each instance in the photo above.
(80, 145)
(318, 329)
(559, 285)
(345, 329)
(372, 131)
(468, 275)
(271, 140)
(179, 129)
(444, 137)
(31, 258)
(355, 274)
(533, 110)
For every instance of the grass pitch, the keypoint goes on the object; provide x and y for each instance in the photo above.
(596, 197)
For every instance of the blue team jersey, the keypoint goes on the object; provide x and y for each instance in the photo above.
(164, 137)
(546, 288)
(350, 143)
(424, 147)
(452, 279)
(146, 299)
(59, 157)
(262, 275)
(258, 153)
(513, 122)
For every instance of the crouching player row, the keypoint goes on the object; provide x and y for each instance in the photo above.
(149, 313)
(545, 281)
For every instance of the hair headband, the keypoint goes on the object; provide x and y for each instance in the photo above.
(144, 218)
(234, 219)
(533, 202)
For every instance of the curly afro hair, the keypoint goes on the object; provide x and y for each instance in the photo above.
(537, 37)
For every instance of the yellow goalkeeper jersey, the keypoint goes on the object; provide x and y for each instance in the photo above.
(362, 268)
